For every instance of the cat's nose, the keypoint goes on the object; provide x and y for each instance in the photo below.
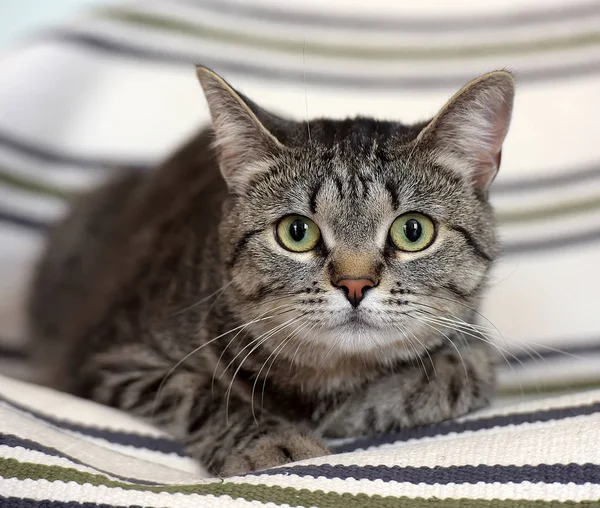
(355, 289)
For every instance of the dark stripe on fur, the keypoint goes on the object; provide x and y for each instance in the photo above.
(313, 196)
(393, 192)
(240, 246)
(364, 181)
(477, 249)
(339, 185)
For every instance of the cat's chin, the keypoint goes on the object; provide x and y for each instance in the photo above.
(356, 335)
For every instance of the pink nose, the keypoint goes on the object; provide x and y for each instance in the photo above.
(354, 289)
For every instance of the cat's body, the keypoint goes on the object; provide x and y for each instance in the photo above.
(173, 295)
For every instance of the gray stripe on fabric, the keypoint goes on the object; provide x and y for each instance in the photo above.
(22, 222)
(577, 474)
(156, 444)
(575, 240)
(134, 50)
(15, 442)
(18, 502)
(547, 181)
(47, 155)
(585, 347)
(446, 428)
(366, 22)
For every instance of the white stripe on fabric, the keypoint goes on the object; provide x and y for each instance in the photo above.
(557, 441)
(489, 491)
(532, 298)
(66, 407)
(35, 457)
(170, 460)
(157, 468)
(528, 406)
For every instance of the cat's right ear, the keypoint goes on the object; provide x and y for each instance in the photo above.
(244, 145)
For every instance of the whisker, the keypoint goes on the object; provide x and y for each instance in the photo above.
(420, 319)
(480, 336)
(218, 292)
(196, 350)
(276, 351)
(290, 309)
(417, 357)
(405, 330)
(265, 337)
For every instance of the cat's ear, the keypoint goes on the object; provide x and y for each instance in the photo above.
(468, 132)
(244, 145)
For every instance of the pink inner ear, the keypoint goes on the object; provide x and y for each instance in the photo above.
(486, 170)
(488, 163)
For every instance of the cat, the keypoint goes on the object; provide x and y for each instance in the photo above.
(275, 283)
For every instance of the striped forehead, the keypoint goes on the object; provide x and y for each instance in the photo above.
(352, 208)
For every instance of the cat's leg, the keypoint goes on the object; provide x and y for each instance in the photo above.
(448, 384)
(222, 432)
(240, 444)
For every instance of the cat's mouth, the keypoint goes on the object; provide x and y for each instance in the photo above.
(361, 319)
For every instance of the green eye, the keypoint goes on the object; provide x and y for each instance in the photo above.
(412, 232)
(297, 233)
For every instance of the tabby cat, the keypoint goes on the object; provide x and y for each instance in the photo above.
(276, 283)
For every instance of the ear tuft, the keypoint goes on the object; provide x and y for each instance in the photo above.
(468, 132)
(244, 146)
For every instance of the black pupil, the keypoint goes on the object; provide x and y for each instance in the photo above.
(298, 230)
(412, 230)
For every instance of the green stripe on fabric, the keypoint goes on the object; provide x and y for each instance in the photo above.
(544, 387)
(349, 51)
(548, 212)
(12, 468)
(28, 185)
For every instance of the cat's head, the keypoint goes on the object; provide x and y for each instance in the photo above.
(358, 236)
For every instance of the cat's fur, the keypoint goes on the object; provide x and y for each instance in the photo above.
(166, 294)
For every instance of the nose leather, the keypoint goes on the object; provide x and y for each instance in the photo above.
(355, 289)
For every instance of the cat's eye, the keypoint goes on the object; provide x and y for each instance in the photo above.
(412, 232)
(297, 233)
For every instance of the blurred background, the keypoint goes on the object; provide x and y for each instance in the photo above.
(86, 86)
(18, 18)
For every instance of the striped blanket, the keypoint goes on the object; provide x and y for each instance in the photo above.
(544, 454)
(116, 87)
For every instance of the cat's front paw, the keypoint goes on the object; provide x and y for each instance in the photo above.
(271, 451)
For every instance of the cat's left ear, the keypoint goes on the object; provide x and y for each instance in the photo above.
(468, 132)
(244, 145)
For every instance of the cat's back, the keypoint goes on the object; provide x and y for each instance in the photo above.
(74, 248)
(91, 254)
